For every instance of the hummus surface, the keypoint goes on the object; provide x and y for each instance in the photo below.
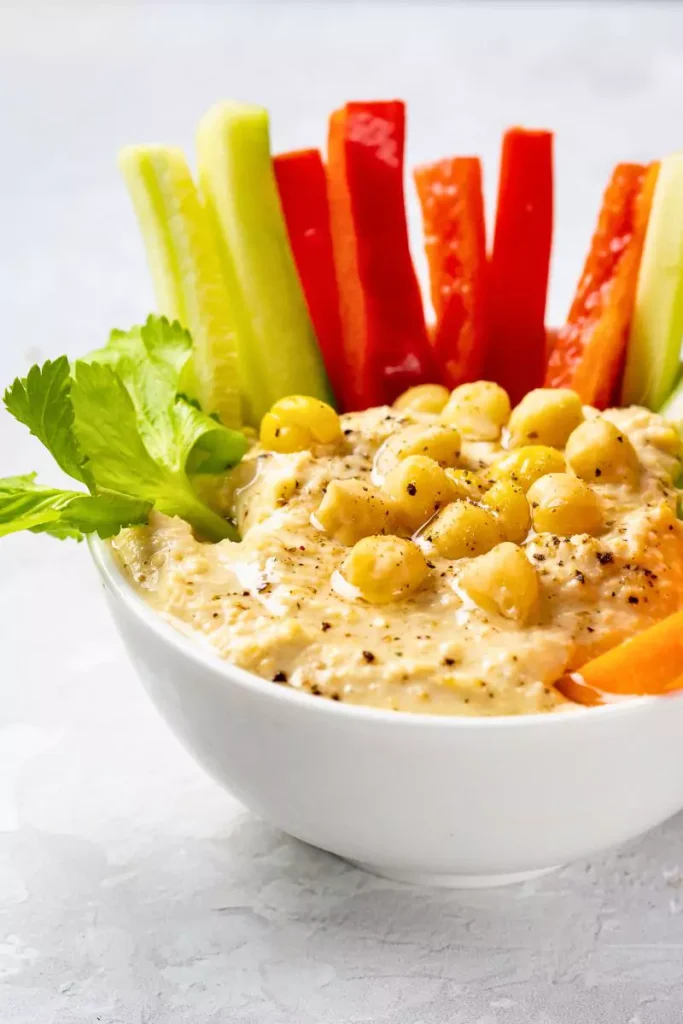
(270, 605)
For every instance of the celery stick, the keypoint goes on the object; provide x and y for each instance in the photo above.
(188, 280)
(654, 344)
(672, 409)
(277, 349)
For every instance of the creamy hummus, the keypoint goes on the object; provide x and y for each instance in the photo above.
(269, 603)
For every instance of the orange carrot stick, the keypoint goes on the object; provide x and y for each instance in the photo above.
(589, 352)
(648, 664)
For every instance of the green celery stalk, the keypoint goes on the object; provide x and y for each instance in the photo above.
(654, 345)
(276, 345)
(186, 271)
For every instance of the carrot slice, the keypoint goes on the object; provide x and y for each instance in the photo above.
(590, 349)
(450, 194)
(649, 663)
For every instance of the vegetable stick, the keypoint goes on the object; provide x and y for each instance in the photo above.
(450, 194)
(520, 263)
(590, 349)
(385, 344)
(649, 663)
(302, 184)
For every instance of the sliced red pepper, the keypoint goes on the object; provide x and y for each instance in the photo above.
(589, 353)
(302, 184)
(385, 343)
(520, 263)
(450, 194)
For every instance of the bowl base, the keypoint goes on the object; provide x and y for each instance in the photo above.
(445, 881)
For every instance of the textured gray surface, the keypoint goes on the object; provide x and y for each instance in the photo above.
(131, 889)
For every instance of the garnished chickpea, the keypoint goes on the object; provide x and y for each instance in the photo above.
(511, 507)
(468, 485)
(564, 505)
(525, 465)
(545, 416)
(429, 398)
(599, 452)
(384, 569)
(420, 487)
(479, 410)
(352, 509)
(438, 441)
(462, 530)
(297, 422)
(665, 436)
(504, 582)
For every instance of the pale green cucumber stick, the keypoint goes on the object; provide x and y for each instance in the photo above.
(654, 345)
(186, 270)
(277, 348)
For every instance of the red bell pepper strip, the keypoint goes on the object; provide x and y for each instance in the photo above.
(520, 262)
(450, 194)
(302, 184)
(385, 343)
(590, 349)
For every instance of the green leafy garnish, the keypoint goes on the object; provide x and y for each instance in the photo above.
(26, 505)
(41, 402)
(119, 423)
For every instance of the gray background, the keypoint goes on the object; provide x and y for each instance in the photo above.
(133, 891)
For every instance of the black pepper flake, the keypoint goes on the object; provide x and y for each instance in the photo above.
(590, 629)
(449, 661)
(598, 472)
(369, 656)
(347, 432)
(604, 557)
(430, 565)
(280, 677)
(633, 599)
(580, 577)
(315, 690)
(539, 557)
(246, 593)
(325, 626)
(411, 489)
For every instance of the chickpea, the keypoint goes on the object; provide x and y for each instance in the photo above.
(429, 398)
(284, 438)
(545, 416)
(563, 505)
(384, 569)
(504, 582)
(525, 465)
(665, 436)
(352, 509)
(297, 422)
(438, 441)
(462, 530)
(511, 507)
(479, 410)
(468, 485)
(599, 452)
(420, 487)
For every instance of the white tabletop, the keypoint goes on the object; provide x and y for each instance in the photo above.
(132, 890)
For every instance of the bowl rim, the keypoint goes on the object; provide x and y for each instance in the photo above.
(113, 573)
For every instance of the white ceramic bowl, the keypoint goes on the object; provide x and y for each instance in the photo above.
(432, 800)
